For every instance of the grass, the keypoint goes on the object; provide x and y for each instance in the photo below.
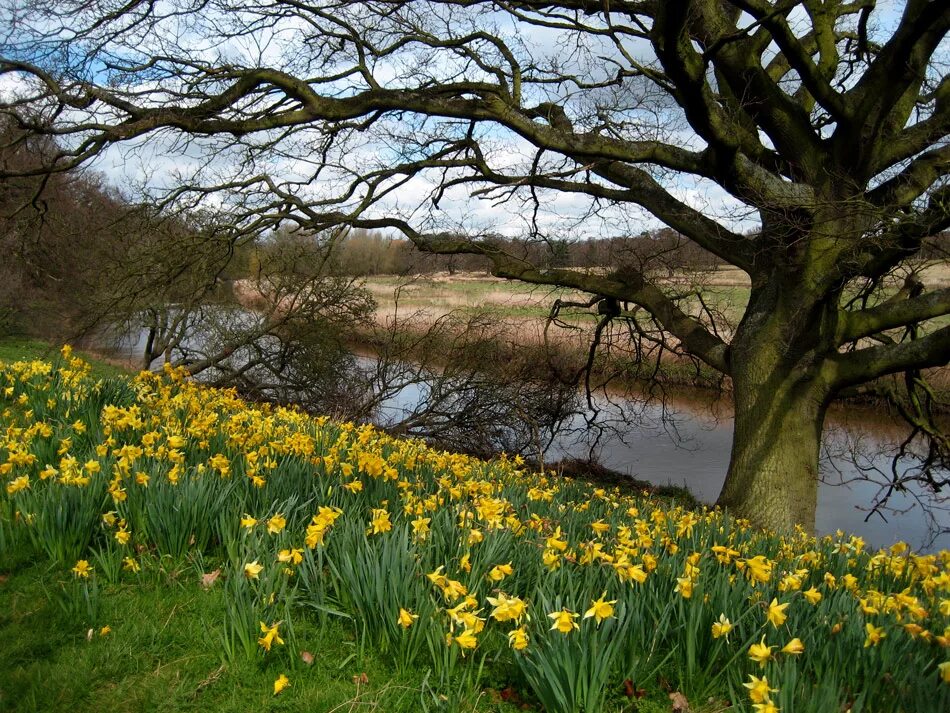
(162, 653)
(15, 348)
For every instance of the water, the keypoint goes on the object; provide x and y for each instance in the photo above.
(687, 443)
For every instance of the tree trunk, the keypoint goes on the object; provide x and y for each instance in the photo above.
(773, 470)
(780, 394)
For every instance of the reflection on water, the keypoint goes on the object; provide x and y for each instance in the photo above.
(693, 451)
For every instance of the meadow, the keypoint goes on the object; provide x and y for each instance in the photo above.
(725, 290)
(167, 546)
(436, 294)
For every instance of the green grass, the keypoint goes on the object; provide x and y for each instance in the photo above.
(27, 349)
(163, 654)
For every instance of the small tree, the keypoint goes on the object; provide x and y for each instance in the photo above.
(825, 122)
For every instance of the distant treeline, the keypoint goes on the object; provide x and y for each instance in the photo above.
(370, 253)
(364, 252)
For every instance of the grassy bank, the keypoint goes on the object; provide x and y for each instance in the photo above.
(27, 349)
(169, 547)
(162, 652)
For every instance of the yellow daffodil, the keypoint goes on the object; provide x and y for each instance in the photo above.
(564, 621)
(465, 640)
(758, 569)
(379, 522)
(280, 684)
(292, 556)
(600, 527)
(556, 542)
(437, 578)
(794, 647)
(600, 609)
(420, 527)
(759, 689)
(684, 585)
(812, 595)
(276, 523)
(499, 572)
(551, 559)
(874, 635)
(248, 522)
(253, 569)
(454, 589)
(518, 639)
(722, 627)
(777, 615)
(406, 618)
(760, 653)
(17, 484)
(271, 636)
(82, 569)
(506, 608)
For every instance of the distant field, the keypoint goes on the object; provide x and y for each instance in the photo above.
(441, 293)
(429, 296)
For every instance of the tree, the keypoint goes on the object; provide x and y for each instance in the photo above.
(825, 123)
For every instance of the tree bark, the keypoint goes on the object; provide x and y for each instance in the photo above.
(773, 470)
(781, 390)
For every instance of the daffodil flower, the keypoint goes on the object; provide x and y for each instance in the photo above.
(600, 609)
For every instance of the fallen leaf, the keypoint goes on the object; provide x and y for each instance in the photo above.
(680, 704)
(631, 691)
(307, 657)
(90, 634)
(210, 578)
(361, 679)
(510, 695)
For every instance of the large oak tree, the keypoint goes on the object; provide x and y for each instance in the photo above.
(826, 121)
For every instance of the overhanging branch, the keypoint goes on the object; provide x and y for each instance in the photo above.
(867, 364)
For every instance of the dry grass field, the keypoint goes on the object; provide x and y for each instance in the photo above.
(430, 296)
